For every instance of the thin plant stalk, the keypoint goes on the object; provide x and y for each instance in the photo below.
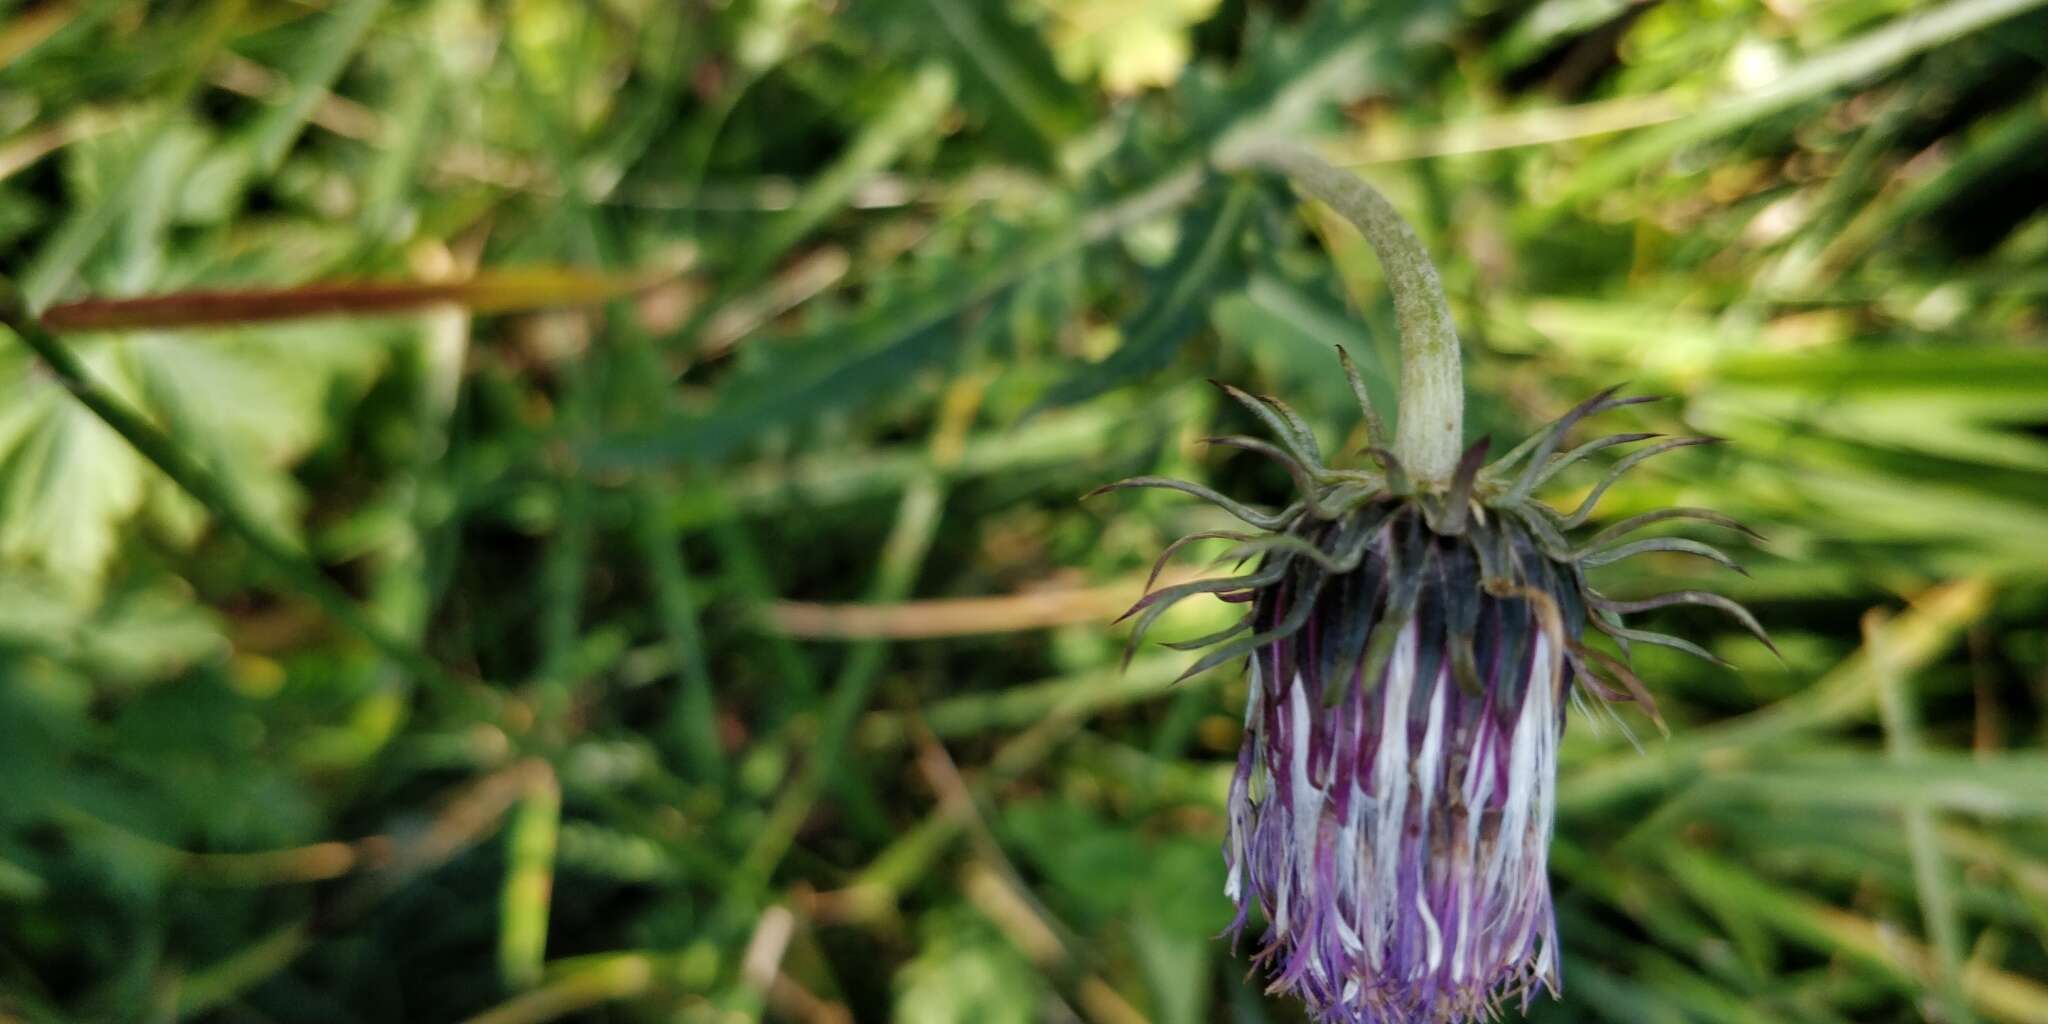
(1429, 434)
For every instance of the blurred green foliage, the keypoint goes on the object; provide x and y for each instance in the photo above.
(742, 648)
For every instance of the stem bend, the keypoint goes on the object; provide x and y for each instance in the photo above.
(1430, 426)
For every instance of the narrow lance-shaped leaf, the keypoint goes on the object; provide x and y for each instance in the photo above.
(1206, 266)
(911, 114)
(1012, 64)
(889, 342)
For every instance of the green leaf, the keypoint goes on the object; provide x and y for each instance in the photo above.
(1999, 786)
(965, 970)
(1010, 73)
(1208, 263)
(1173, 932)
(251, 405)
(66, 481)
(885, 346)
(1869, 54)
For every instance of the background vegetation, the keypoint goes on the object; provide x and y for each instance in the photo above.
(740, 649)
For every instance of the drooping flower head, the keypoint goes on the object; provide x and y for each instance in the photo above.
(1412, 653)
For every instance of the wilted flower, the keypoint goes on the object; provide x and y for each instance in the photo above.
(1412, 653)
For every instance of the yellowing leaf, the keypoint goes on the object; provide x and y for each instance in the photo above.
(1130, 44)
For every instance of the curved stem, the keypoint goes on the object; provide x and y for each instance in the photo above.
(1431, 414)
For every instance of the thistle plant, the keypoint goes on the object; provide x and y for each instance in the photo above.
(1415, 629)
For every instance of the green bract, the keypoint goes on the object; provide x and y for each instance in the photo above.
(1337, 512)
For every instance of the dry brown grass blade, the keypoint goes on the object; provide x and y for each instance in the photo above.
(315, 862)
(28, 29)
(502, 291)
(963, 616)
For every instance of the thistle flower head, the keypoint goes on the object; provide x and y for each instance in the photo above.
(1412, 651)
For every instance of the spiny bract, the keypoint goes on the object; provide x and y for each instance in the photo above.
(1412, 652)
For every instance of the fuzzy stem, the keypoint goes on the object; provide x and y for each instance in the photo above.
(1431, 411)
